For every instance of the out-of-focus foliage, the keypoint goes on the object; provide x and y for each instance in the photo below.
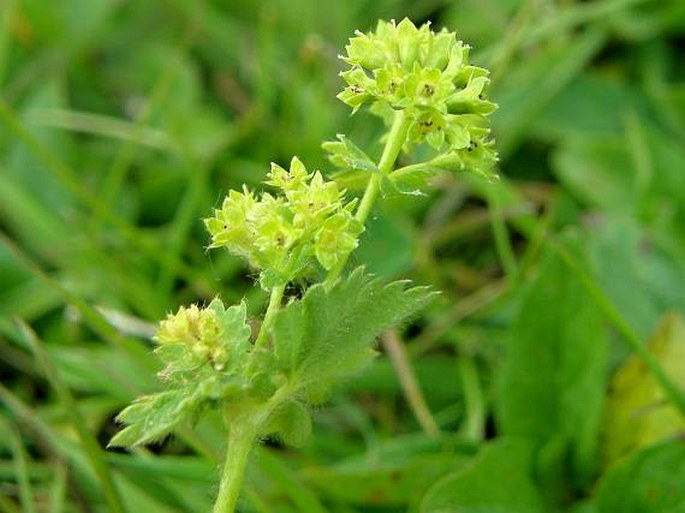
(123, 123)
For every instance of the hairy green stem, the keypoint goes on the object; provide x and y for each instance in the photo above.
(369, 198)
(241, 437)
(396, 138)
(270, 315)
(437, 162)
(243, 431)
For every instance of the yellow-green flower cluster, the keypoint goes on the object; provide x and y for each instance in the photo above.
(199, 330)
(425, 74)
(282, 234)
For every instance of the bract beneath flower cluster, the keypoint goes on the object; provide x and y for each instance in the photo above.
(425, 74)
(282, 235)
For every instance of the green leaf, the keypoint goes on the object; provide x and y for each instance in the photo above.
(348, 156)
(354, 165)
(569, 115)
(479, 158)
(637, 414)
(291, 422)
(50, 189)
(584, 506)
(152, 417)
(651, 481)
(393, 473)
(180, 364)
(553, 379)
(414, 177)
(328, 335)
(236, 332)
(497, 481)
(351, 180)
(650, 263)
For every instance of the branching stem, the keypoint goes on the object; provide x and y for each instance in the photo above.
(393, 146)
(270, 315)
(242, 433)
(396, 139)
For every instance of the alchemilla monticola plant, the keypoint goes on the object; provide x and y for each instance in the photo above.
(304, 227)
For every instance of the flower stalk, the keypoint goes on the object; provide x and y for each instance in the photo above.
(393, 146)
(275, 299)
(241, 438)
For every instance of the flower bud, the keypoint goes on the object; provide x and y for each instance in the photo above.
(197, 329)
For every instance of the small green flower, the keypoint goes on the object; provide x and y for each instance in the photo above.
(283, 234)
(426, 75)
(199, 330)
(293, 179)
(336, 239)
(229, 226)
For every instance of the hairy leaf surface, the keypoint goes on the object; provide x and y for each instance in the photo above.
(152, 417)
(329, 335)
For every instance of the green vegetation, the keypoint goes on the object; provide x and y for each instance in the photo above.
(547, 375)
(421, 83)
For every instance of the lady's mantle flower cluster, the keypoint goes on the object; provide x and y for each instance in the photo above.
(214, 338)
(281, 234)
(199, 331)
(428, 76)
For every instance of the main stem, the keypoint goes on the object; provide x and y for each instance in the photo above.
(271, 310)
(243, 431)
(396, 138)
(241, 436)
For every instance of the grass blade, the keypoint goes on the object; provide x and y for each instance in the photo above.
(21, 469)
(87, 439)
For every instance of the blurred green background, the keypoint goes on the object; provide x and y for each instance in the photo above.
(123, 123)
